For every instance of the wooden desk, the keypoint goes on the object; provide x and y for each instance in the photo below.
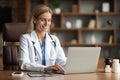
(5, 75)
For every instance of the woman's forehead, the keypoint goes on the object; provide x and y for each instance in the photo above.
(45, 15)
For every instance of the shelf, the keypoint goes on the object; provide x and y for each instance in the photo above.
(63, 29)
(71, 35)
(70, 13)
(114, 19)
(97, 27)
(94, 5)
(82, 44)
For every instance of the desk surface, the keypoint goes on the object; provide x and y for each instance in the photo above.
(5, 75)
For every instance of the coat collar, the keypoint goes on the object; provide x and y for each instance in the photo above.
(34, 37)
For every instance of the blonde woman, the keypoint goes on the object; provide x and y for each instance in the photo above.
(39, 50)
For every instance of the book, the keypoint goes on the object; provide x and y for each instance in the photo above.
(74, 8)
(91, 23)
(110, 39)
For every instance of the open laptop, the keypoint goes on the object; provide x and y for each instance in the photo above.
(82, 59)
(79, 60)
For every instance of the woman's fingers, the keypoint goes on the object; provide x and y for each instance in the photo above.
(59, 67)
(51, 68)
(55, 67)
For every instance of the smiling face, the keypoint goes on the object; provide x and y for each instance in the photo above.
(43, 22)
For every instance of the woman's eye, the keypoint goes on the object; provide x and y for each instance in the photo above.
(42, 19)
(49, 20)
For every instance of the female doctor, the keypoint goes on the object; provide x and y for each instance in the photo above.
(39, 50)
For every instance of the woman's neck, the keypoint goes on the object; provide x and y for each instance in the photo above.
(41, 36)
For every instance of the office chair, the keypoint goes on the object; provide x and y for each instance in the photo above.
(11, 35)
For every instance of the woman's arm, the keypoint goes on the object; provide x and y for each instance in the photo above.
(61, 58)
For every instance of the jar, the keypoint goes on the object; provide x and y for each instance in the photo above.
(107, 68)
(68, 24)
(78, 23)
(116, 66)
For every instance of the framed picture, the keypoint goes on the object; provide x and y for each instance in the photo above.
(106, 7)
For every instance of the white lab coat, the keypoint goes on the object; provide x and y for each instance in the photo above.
(29, 44)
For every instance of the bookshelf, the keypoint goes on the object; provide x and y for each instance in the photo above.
(100, 27)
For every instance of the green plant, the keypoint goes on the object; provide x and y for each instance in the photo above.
(56, 3)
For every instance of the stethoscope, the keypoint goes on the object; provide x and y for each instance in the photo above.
(53, 44)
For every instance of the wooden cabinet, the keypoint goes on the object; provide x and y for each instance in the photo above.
(98, 24)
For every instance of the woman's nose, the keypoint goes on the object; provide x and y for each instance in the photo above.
(46, 22)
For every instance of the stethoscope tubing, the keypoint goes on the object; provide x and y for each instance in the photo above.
(54, 44)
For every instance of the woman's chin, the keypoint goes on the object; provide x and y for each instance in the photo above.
(45, 30)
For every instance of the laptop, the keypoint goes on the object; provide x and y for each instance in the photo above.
(82, 60)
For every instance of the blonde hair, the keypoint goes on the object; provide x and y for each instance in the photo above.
(36, 12)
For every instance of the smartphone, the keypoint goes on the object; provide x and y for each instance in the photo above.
(39, 74)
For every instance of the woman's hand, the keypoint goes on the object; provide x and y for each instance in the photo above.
(55, 67)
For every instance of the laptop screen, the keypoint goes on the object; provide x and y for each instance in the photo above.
(82, 59)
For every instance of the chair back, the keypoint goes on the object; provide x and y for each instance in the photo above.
(11, 34)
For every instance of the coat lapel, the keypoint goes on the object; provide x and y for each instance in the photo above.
(48, 42)
(36, 43)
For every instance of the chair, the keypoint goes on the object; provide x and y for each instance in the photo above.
(11, 34)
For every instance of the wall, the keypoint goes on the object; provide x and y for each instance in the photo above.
(18, 13)
(18, 9)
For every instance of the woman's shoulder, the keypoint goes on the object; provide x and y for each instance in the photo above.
(53, 36)
(25, 35)
(28, 34)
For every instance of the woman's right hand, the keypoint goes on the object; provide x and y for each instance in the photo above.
(55, 67)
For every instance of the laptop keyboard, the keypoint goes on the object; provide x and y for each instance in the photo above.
(59, 72)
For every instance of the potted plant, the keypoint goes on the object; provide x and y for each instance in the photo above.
(57, 6)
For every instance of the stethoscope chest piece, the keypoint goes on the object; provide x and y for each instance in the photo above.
(53, 43)
(36, 58)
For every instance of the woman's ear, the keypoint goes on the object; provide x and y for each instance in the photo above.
(34, 20)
